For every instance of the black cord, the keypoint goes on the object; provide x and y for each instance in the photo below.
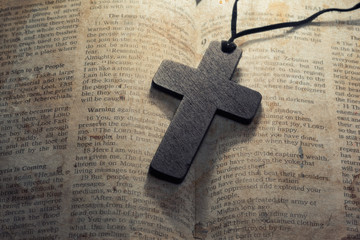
(233, 22)
(229, 46)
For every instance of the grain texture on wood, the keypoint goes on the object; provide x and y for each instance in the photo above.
(205, 91)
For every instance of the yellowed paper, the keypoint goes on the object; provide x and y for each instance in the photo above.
(79, 123)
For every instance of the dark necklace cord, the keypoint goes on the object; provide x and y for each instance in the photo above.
(229, 46)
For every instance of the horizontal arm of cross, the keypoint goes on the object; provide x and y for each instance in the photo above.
(238, 102)
(172, 77)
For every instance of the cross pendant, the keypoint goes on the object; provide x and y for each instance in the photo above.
(204, 91)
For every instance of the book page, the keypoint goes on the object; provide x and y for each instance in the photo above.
(80, 122)
(293, 172)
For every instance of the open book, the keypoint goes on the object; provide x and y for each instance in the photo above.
(80, 122)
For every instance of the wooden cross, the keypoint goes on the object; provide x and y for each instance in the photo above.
(205, 91)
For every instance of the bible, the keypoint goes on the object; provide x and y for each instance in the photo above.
(80, 122)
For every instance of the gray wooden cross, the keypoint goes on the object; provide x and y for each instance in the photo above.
(205, 91)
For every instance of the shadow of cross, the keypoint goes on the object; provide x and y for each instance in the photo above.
(205, 91)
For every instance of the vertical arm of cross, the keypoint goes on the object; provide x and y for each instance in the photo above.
(219, 62)
(181, 141)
